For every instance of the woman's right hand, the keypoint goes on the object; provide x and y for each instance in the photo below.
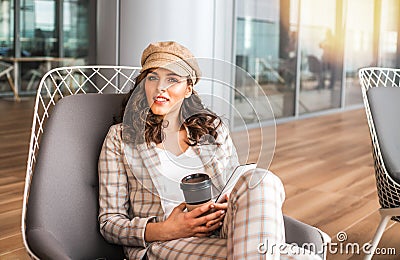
(182, 224)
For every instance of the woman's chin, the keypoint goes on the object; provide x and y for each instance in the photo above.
(163, 111)
(159, 112)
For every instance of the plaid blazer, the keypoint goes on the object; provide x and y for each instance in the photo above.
(127, 195)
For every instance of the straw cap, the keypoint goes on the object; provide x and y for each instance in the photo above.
(172, 56)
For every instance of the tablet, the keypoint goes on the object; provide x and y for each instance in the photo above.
(239, 170)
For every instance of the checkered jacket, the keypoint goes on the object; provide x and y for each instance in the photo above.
(127, 195)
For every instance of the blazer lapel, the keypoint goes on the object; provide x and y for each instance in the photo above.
(151, 162)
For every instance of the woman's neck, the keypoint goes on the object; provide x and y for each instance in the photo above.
(175, 139)
(171, 124)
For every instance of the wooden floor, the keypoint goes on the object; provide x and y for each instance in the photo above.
(324, 162)
(15, 124)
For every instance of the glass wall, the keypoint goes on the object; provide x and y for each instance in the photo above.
(266, 45)
(38, 28)
(52, 33)
(359, 47)
(320, 41)
(306, 54)
(388, 38)
(38, 38)
(76, 20)
(6, 28)
(6, 39)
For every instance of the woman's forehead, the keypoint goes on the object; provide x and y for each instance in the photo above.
(163, 72)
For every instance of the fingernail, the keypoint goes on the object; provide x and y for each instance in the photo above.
(220, 223)
(212, 206)
(222, 211)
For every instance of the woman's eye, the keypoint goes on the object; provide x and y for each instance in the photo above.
(152, 78)
(173, 80)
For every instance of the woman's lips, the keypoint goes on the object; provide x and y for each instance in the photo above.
(160, 100)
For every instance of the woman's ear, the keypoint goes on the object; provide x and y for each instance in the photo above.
(189, 90)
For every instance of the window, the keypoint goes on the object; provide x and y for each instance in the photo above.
(266, 47)
(320, 78)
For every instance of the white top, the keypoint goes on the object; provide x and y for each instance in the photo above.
(173, 168)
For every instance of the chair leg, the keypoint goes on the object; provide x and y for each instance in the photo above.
(16, 96)
(378, 235)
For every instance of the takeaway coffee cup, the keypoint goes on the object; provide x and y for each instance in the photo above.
(196, 190)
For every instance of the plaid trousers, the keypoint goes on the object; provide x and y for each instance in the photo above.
(254, 216)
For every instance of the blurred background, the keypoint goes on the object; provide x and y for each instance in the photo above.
(304, 54)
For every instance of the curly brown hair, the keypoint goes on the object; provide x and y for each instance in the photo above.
(141, 125)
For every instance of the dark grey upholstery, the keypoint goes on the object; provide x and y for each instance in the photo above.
(63, 203)
(384, 103)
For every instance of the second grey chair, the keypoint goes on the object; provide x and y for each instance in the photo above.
(381, 95)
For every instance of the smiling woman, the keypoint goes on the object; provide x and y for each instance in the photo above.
(166, 134)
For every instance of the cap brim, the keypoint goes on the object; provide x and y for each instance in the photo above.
(175, 67)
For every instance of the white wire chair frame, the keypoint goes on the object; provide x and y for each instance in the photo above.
(387, 188)
(59, 83)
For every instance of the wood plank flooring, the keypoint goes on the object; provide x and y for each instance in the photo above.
(15, 124)
(324, 162)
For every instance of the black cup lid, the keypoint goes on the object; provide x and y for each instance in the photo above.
(195, 178)
(195, 181)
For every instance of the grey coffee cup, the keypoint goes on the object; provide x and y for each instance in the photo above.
(196, 188)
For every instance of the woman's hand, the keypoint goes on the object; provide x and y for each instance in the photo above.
(182, 224)
(199, 222)
(219, 206)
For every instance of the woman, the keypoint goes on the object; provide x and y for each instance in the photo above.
(165, 121)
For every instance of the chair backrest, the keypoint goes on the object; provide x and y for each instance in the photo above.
(61, 191)
(385, 107)
(381, 95)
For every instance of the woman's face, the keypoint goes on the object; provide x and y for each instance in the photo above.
(165, 91)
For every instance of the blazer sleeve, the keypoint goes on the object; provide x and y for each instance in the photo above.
(115, 224)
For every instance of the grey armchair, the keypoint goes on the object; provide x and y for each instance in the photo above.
(381, 95)
(61, 193)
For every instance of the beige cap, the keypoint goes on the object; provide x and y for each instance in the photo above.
(172, 56)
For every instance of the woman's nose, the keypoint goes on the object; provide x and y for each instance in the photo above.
(162, 86)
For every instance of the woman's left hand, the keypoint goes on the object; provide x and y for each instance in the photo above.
(219, 206)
